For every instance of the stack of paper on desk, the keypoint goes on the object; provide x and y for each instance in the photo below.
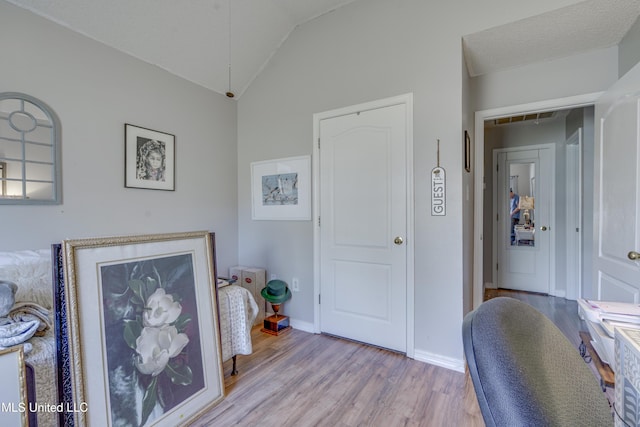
(621, 312)
(602, 317)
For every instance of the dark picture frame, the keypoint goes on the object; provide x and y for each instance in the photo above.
(64, 378)
(177, 270)
(467, 151)
(150, 158)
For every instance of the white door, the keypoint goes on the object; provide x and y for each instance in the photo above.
(363, 225)
(523, 246)
(617, 198)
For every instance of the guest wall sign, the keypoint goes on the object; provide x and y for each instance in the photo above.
(438, 189)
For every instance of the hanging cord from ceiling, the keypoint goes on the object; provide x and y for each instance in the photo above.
(229, 93)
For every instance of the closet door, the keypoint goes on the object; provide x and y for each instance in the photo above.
(617, 197)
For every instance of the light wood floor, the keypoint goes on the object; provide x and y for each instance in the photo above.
(303, 379)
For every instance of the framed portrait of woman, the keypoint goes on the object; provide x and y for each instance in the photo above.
(149, 158)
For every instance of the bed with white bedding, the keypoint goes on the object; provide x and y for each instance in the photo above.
(31, 271)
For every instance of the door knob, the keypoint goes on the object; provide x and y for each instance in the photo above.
(544, 228)
(398, 240)
(633, 255)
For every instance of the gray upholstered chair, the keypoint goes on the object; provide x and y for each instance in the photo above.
(526, 372)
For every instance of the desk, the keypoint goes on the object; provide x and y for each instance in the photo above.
(607, 377)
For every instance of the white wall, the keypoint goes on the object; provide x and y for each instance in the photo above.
(468, 122)
(95, 90)
(629, 49)
(364, 51)
(580, 74)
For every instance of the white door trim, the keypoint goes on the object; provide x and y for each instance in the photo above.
(573, 201)
(407, 100)
(479, 176)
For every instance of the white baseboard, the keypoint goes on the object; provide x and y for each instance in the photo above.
(301, 325)
(438, 360)
(490, 285)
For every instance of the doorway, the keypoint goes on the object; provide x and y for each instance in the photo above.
(363, 231)
(483, 181)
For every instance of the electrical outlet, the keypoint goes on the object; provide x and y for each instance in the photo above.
(273, 276)
(295, 285)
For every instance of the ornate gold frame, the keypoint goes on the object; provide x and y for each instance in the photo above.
(14, 399)
(83, 260)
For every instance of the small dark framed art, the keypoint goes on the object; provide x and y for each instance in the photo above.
(150, 158)
(467, 151)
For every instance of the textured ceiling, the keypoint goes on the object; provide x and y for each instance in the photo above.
(585, 26)
(191, 38)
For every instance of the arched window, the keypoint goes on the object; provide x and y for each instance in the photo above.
(29, 151)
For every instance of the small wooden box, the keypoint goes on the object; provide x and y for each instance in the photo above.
(276, 325)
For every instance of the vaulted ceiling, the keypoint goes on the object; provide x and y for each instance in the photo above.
(189, 38)
(201, 40)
